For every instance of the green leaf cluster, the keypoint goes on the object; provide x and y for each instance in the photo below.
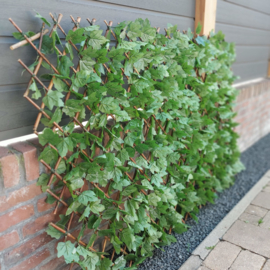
(159, 135)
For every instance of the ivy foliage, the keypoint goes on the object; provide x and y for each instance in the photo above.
(158, 135)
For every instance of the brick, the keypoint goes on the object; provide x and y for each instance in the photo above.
(248, 261)
(9, 167)
(256, 210)
(33, 261)
(42, 205)
(30, 159)
(35, 141)
(18, 196)
(16, 216)
(4, 151)
(24, 194)
(40, 223)
(54, 264)
(222, 256)
(27, 248)
(262, 200)
(3, 204)
(250, 237)
(9, 240)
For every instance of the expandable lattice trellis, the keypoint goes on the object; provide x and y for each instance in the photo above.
(98, 148)
(76, 121)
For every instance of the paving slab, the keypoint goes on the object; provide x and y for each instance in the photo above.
(262, 200)
(213, 238)
(267, 265)
(222, 256)
(247, 260)
(266, 221)
(266, 189)
(256, 210)
(248, 218)
(250, 237)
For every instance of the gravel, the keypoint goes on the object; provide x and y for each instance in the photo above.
(257, 162)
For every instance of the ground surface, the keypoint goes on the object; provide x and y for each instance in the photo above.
(257, 162)
(245, 246)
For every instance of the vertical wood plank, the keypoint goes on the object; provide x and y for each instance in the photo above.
(205, 13)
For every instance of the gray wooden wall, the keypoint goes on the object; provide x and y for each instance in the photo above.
(17, 116)
(245, 22)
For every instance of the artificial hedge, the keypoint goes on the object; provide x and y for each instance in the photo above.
(164, 102)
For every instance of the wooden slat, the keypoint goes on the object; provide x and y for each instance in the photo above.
(230, 13)
(259, 5)
(177, 7)
(249, 71)
(249, 54)
(85, 9)
(15, 110)
(205, 14)
(17, 132)
(12, 104)
(243, 35)
(12, 73)
(14, 107)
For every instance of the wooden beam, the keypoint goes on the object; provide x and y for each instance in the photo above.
(205, 13)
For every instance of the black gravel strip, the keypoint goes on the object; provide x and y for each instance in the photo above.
(257, 162)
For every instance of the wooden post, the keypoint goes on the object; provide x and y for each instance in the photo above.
(205, 13)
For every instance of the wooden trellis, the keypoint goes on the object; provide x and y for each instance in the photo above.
(42, 113)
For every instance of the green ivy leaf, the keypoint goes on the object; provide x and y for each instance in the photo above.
(87, 196)
(198, 28)
(43, 19)
(54, 233)
(64, 145)
(76, 36)
(153, 199)
(53, 98)
(43, 181)
(96, 207)
(66, 249)
(48, 136)
(34, 88)
(73, 207)
(91, 261)
(105, 264)
(64, 65)
(71, 107)
(57, 116)
(127, 236)
(59, 85)
(87, 64)
(96, 39)
(120, 263)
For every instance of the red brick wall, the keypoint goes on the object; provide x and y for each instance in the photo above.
(253, 108)
(24, 214)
